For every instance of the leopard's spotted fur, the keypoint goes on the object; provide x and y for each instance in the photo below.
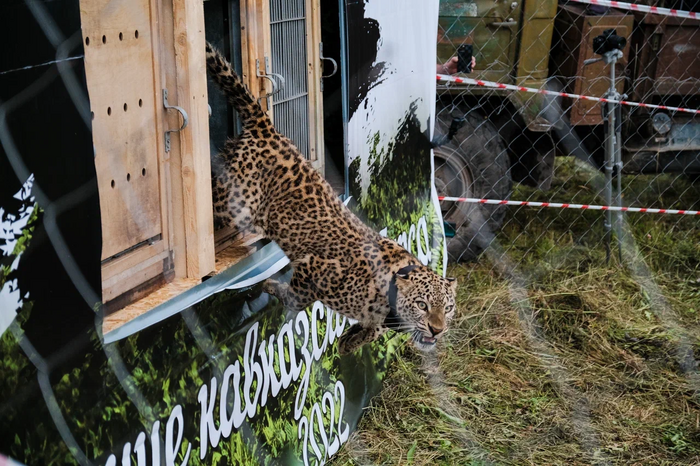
(264, 182)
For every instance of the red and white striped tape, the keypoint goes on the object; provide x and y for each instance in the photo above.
(643, 8)
(560, 205)
(478, 82)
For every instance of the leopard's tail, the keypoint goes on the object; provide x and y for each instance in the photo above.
(238, 95)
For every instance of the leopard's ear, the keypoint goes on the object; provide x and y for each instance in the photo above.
(403, 283)
(453, 283)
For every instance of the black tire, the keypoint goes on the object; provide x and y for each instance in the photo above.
(474, 164)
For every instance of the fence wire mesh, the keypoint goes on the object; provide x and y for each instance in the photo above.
(552, 272)
(565, 289)
(530, 147)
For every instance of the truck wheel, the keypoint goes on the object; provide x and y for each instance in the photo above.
(474, 164)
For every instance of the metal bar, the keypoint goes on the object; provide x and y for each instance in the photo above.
(609, 156)
(618, 176)
(345, 94)
(288, 20)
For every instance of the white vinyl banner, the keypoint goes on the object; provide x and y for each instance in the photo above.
(392, 56)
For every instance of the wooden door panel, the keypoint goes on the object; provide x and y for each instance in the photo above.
(119, 68)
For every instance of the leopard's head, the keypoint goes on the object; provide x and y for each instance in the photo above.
(425, 305)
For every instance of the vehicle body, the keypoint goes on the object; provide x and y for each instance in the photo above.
(542, 44)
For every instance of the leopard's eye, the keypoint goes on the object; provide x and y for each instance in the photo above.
(449, 309)
(422, 306)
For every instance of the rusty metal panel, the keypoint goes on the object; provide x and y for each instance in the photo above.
(575, 33)
(678, 67)
(667, 57)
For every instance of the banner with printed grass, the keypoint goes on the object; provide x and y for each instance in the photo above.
(391, 76)
(235, 379)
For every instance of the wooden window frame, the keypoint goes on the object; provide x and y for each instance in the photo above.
(256, 45)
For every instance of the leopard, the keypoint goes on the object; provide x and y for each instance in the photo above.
(265, 184)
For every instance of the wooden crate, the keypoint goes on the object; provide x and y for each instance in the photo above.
(158, 237)
(155, 205)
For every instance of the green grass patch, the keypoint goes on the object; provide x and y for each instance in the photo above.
(588, 366)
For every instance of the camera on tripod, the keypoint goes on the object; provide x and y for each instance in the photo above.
(607, 42)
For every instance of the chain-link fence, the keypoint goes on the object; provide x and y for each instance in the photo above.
(577, 329)
(557, 204)
(525, 146)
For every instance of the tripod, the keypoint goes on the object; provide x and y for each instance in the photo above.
(612, 113)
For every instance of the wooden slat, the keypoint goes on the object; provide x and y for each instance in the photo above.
(253, 46)
(264, 42)
(224, 260)
(224, 237)
(188, 18)
(313, 41)
(248, 45)
(133, 277)
(172, 167)
(127, 261)
(163, 168)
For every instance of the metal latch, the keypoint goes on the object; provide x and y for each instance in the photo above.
(185, 119)
(267, 75)
(333, 62)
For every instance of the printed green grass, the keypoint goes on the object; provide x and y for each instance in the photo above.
(588, 363)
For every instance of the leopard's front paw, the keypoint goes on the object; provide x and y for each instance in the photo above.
(351, 340)
(271, 287)
(345, 347)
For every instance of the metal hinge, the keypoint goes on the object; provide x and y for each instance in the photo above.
(185, 119)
